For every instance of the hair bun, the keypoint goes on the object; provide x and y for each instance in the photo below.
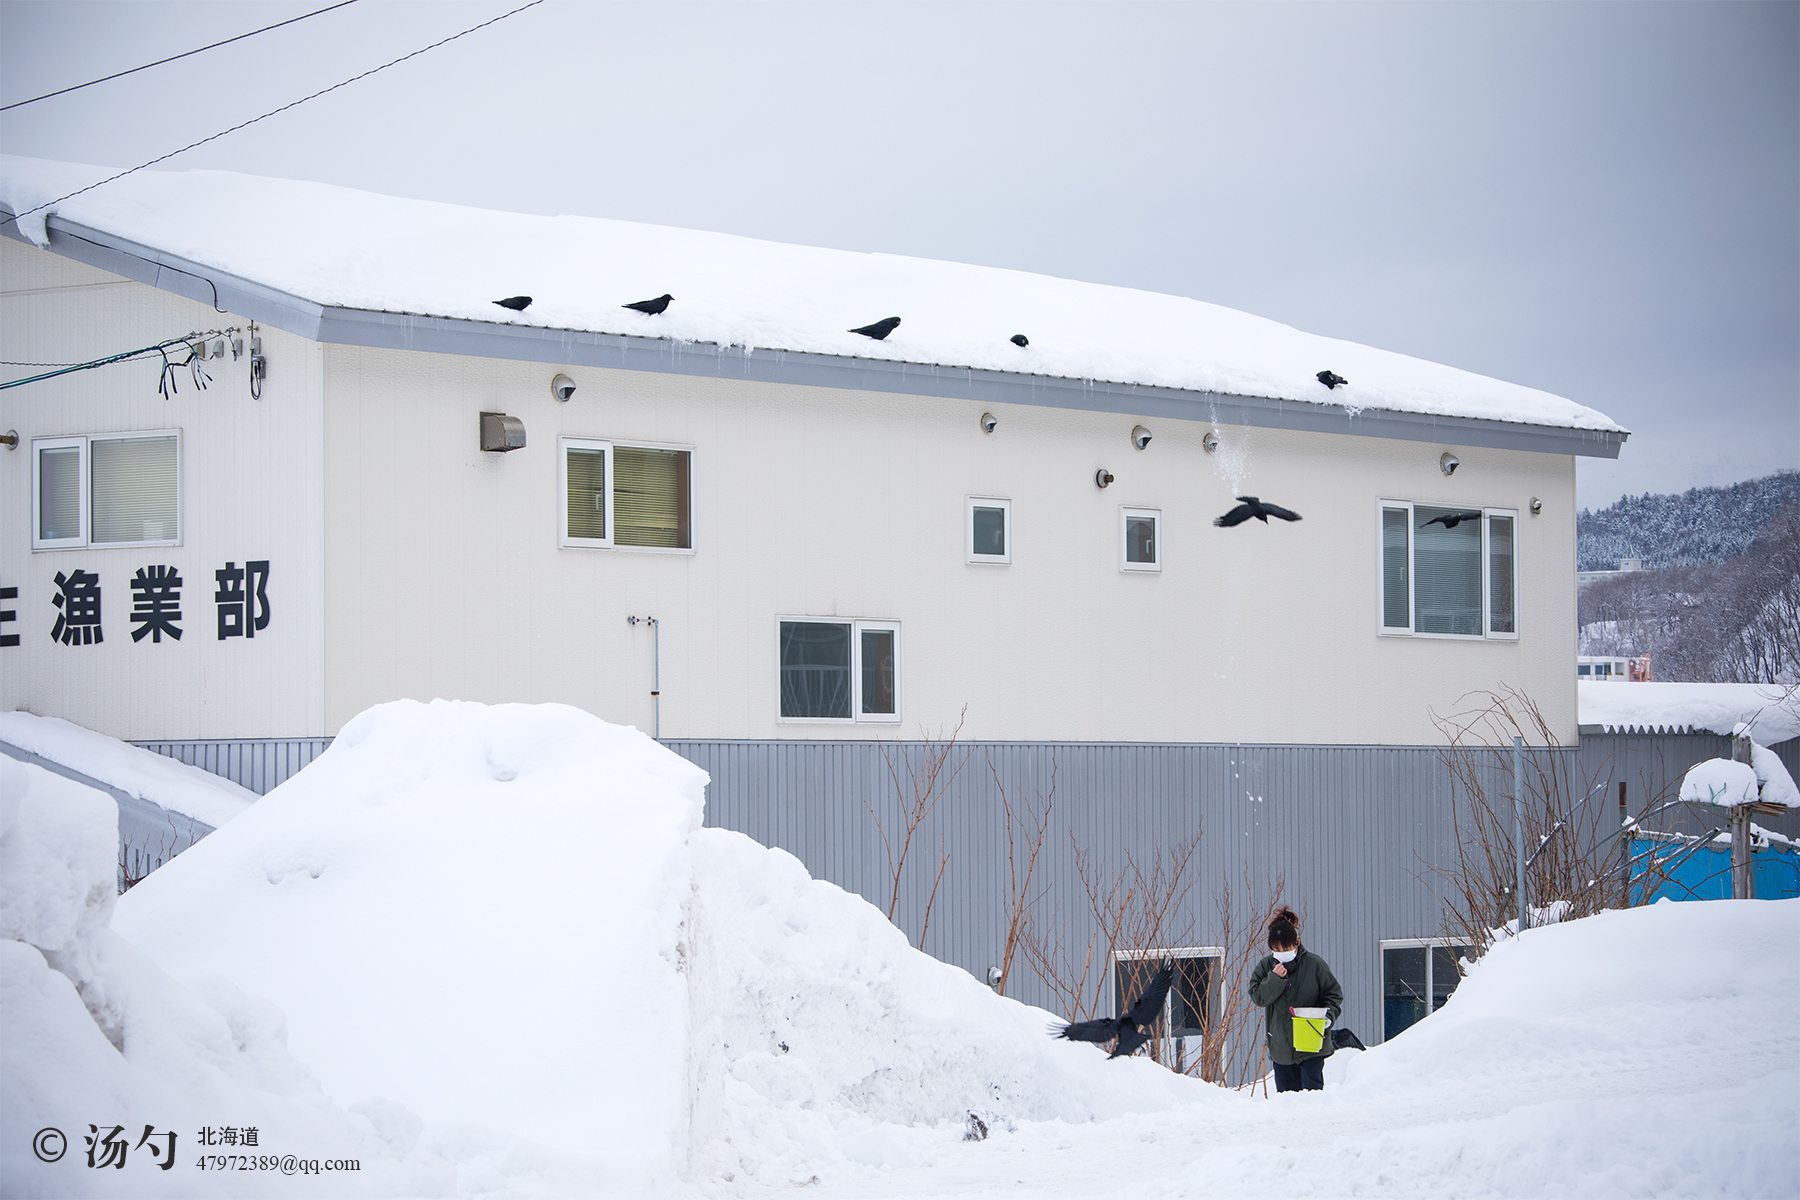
(1284, 913)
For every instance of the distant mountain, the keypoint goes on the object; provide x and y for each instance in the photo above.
(1695, 527)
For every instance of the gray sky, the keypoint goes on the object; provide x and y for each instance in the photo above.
(1599, 200)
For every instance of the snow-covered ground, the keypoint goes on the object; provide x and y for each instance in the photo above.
(490, 951)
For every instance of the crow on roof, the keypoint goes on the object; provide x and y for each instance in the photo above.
(516, 303)
(879, 329)
(1019, 339)
(1331, 379)
(1250, 506)
(1452, 520)
(1144, 1011)
(650, 306)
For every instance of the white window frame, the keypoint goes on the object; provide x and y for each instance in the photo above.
(857, 716)
(84, 540)
(1005, 506)
(1382, 629)
(606, 445)
(1125, 515)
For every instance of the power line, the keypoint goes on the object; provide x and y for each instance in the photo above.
(274, 111)
(123, 356)
(159, 62)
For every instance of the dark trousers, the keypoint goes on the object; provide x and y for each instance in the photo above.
(1307, 1075)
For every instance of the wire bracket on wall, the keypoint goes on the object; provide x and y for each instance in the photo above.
(199, 346)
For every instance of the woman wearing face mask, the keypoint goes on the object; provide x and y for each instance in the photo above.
(1292, 977)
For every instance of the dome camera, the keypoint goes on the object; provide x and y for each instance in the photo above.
(989, 422)
(1140, 437)
(562, 387)
(1448, 463)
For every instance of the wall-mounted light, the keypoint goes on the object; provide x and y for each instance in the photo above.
(1102, 477)
(993, 978)
(989, 422)
(562, 387)
(1210, 443)
(1537, 506)
(1140, 437)
(501, 433)
(1448, 462)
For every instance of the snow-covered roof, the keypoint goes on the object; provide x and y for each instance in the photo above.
(341, 265)
(1771, 711)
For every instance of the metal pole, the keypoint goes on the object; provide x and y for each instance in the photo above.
(1519, 821)
(1741, 884)
(655, 678)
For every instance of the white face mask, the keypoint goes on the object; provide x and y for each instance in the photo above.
(1285, 956)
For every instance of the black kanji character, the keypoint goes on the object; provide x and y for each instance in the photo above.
(156, 603)
(78, 599)
(113, 1146)
(250, 1136)
(168, 1160)
(208, 1136)
(242, 615)
(228, 1136)
(8, 614)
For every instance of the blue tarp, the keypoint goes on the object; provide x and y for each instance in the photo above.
(1705, 874)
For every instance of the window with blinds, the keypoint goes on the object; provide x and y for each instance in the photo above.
(616, 495)
(112, 490)
(133, 489)
(1448, 570)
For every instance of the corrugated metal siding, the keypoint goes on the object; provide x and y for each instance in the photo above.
(1353, 830)
(1652, 765)
(260, 765)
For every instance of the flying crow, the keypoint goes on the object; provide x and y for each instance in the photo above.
(1019, 339)
(879, 329)
(1452, 520)
(651, 306)
(1331, 379)
(1250, 506)
(1343, 1037)
(516, 303)
(1145, 1011)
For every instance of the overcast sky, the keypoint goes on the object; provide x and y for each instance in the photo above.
(1602, 201)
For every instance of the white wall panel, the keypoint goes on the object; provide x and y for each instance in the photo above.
(444, 577)
(250, 487)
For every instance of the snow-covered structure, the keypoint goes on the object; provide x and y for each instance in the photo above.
(1004, 508)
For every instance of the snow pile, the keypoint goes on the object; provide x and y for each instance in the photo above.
(142, 773)
(820, 1034)
(1771, 711)
(96, 1034)
(1773, 782)
(1719, 781)
(476, 911)
(387, 254)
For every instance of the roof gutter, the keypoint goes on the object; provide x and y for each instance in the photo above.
(570, 347)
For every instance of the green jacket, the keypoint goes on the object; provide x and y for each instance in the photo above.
(1309, 984)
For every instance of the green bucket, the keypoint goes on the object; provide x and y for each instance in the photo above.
(1309, 1029)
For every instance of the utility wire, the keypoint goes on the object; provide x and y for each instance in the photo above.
(67, 368)
(159, 62)
(272, 112)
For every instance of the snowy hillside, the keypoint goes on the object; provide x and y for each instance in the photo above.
(497, 956)
(1691, 528)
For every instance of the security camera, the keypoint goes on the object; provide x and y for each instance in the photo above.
(1140, 437)
(1210, 443)
(1448, 463)
(989, 422)
(562, 387)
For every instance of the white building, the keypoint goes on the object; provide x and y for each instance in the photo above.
(1005, 509)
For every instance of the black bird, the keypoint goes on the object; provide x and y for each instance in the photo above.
(1452, 520)
(516, 303)
(1019, 339)
(651, 306)
(1331, 379)
(1144, 1011)
(1250, 506)
(879, 329)
(1343, 1037)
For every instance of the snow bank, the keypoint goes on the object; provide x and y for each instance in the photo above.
(476, 911)
(96, 1034)
(820, 1033)
(387, 254)
(1772, 713)
(142, 773)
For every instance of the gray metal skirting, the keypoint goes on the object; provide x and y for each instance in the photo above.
(261, 765)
